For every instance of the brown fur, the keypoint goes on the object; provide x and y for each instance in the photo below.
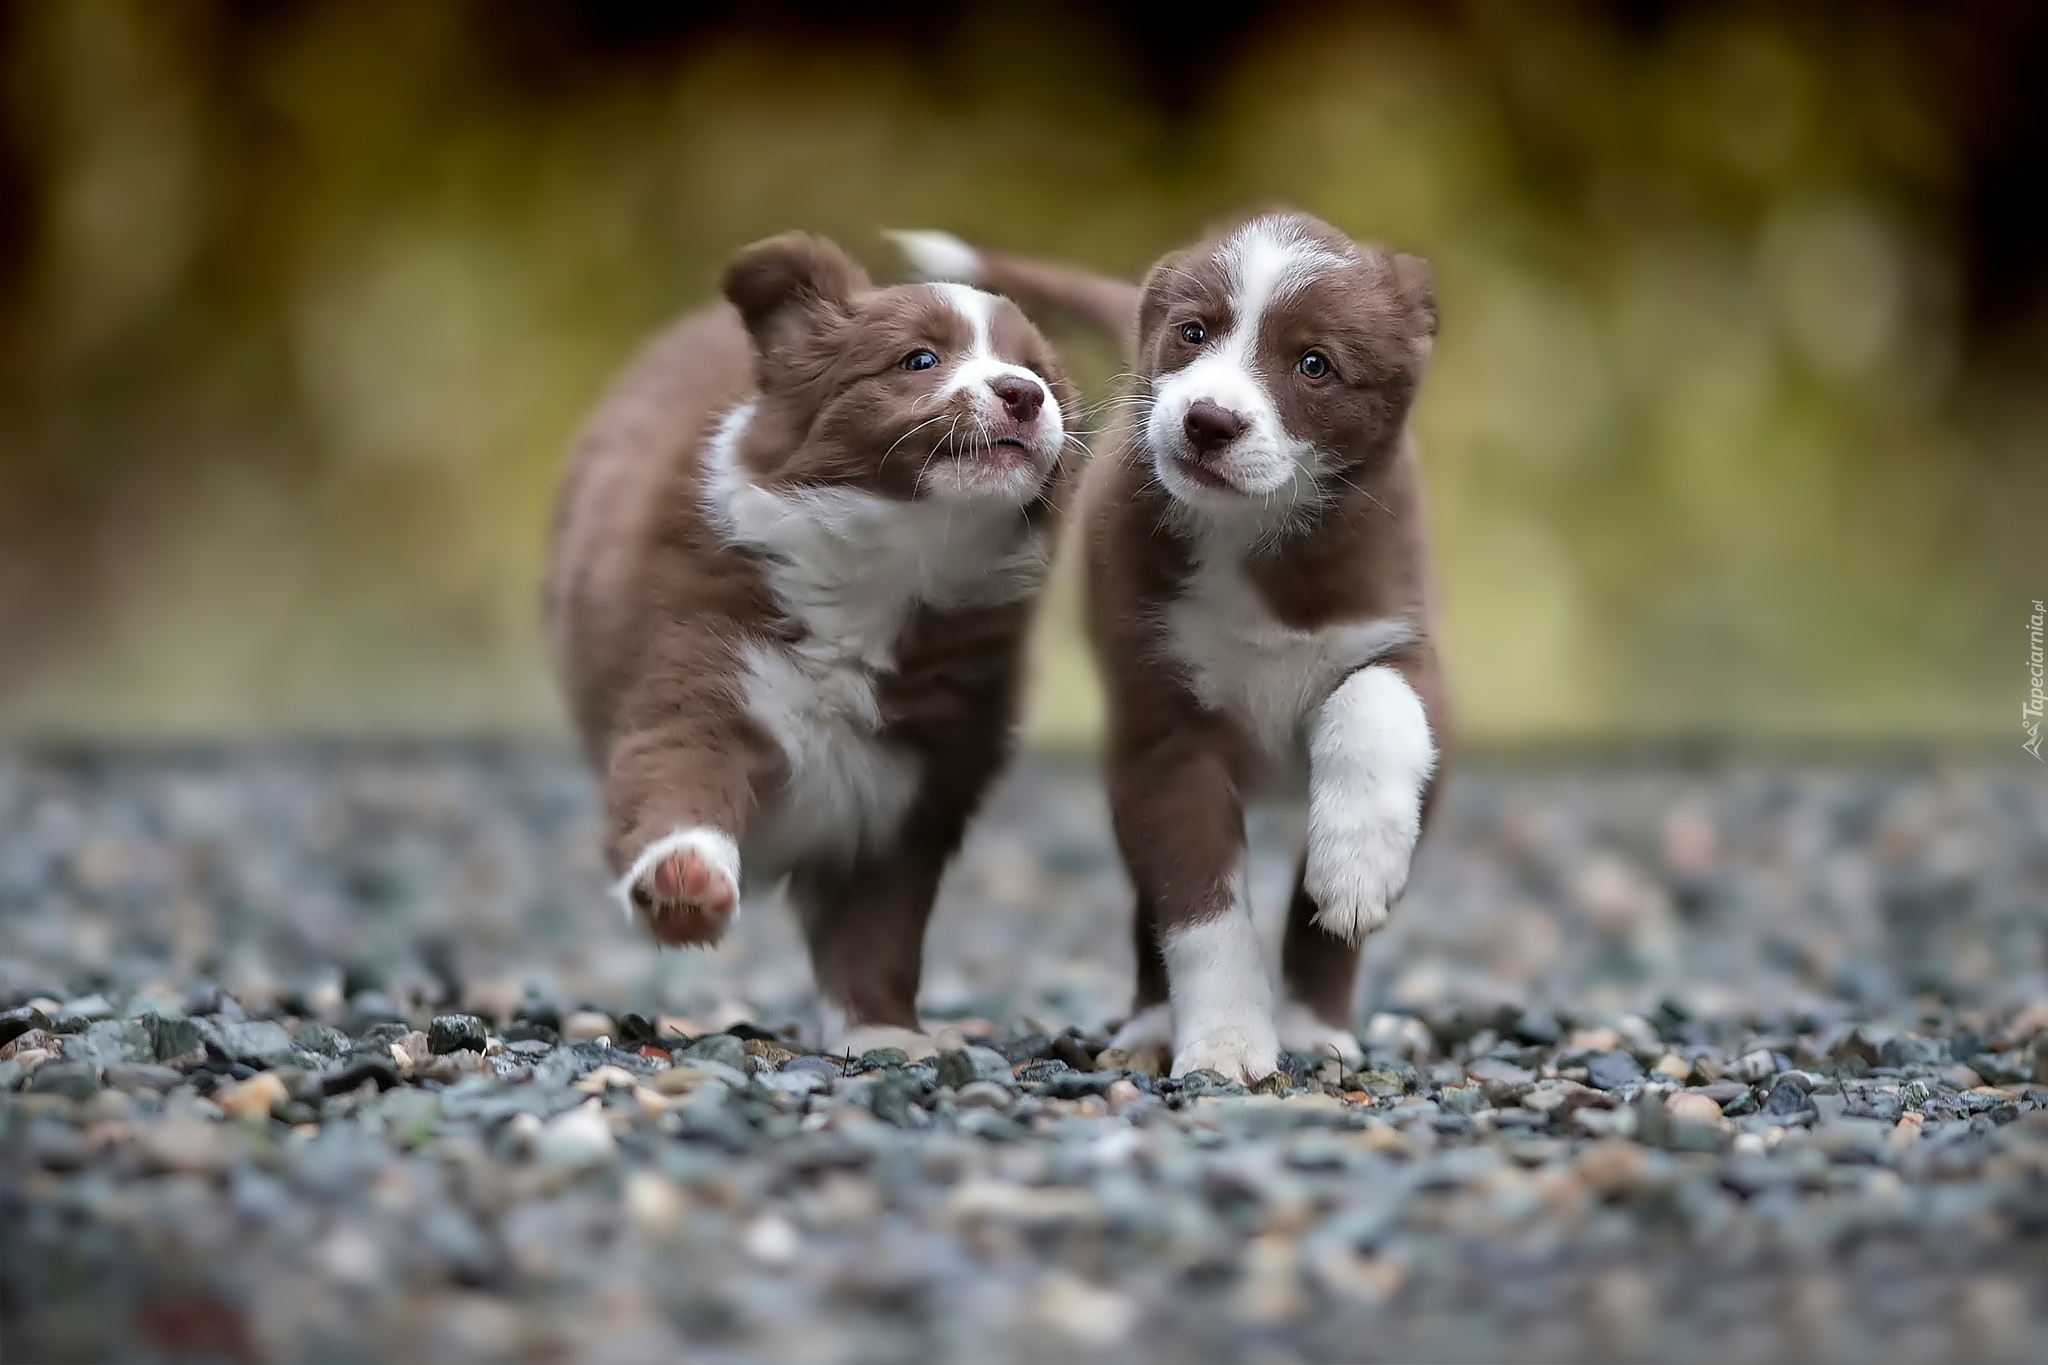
(655, 610)
(1353, 549)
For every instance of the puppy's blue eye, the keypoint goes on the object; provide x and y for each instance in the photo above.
(1314, 365)
(920, 360)
(1193, 334)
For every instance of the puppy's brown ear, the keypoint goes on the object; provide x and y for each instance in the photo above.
(787, 282)
(1155, 297)
(1413, 274)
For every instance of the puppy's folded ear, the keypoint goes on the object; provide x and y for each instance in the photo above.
(1155, 296)
(1413, 274)
(786, 283)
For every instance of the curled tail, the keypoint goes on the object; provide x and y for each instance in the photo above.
(1043, 290)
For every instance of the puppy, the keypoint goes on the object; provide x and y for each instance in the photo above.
(793, 563)
(1259, 595)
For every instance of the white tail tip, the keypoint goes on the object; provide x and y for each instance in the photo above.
(938, 255)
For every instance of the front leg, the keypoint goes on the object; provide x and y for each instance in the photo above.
(678, 794)
(1371, 757)
(1150, 1025)
(1180, 823)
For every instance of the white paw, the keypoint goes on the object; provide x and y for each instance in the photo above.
(867, 1037)
(1356, 871)
(1150, 1029)
(1301, 1031)
(684, 886)
(938, 255)
(1239, 1050)
(1370, 760)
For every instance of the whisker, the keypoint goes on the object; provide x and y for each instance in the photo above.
(1360, 491)
(910, 433)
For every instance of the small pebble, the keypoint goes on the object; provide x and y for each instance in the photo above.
(253, 1100)
(576, 1139)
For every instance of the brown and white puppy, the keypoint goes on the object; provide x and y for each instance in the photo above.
(793, 564)
(1259, 594)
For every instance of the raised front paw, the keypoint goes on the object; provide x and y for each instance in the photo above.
(1356, 870)
(685, 887)
(1301, 1031)
(1371, 758)
(1245, 1050)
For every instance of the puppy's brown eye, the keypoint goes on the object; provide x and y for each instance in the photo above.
(920, 360)
(1193, 334)
(1314, 365)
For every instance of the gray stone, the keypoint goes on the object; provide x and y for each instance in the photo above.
(261, 1043)
(1463, 1099)
(722, 1048)
(966, 1065)
(1906, 1050)
(1612, 1070)
(984, 1095)
(17, 1021)
(1073, 1085)
(807, 1062)
(456, 1033)
(1038, 1073)
(1859, 1141)
(895, 1101)
(1872, 1103)
(174, 1036)
(110, 1042)
(140, 1078)
(1504, 1082)
(313, 1036)
(72, 1080)
(1788, 1100)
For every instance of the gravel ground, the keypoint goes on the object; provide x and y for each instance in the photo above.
(342, 1055)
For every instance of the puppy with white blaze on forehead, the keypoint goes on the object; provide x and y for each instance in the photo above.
(1259, 597)
(793, 567)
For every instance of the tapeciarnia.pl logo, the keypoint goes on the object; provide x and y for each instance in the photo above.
(2030, 713)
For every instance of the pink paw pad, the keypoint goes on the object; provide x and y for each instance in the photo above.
(687, 900)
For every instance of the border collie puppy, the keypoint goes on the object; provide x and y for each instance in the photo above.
(1259, 595)
(794, 560)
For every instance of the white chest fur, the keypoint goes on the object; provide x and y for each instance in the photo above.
(1266, 675)
(850, 569)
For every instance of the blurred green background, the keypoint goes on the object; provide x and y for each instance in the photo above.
(1736, 427)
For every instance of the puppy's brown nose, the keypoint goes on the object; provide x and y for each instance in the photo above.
(1211, 426)
(1021, 397)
